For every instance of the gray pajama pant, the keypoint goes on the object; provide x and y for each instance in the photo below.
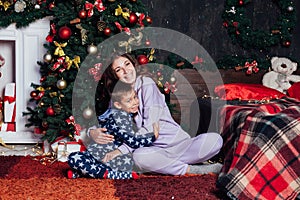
(174, 158)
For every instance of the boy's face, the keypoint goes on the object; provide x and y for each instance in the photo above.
(129, 102)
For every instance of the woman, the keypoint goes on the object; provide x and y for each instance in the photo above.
(174, 151)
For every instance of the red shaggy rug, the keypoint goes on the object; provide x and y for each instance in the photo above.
(25, 178)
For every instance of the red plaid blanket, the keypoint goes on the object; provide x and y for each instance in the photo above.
(262, 150)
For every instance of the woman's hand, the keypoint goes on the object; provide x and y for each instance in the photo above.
(100, 137)
(111, 155)
(156, 129)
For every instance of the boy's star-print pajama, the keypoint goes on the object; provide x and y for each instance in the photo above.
(121, 125)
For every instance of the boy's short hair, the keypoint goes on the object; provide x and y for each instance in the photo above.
(120, 90)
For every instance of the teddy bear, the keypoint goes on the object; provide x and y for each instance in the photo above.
(281, 76)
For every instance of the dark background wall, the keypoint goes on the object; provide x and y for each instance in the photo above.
(202, 21)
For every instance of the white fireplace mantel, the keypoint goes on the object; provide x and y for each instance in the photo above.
(28, 45)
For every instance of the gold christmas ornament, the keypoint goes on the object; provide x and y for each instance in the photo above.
(111, 1)
(92, 49)
(47, 57)
(61, 84)
(87, 113)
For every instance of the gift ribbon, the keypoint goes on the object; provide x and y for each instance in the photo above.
(59, 51)
(119, 11)
(9, 99)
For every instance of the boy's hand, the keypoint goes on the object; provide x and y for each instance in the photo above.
(111, 155)
(156, 129)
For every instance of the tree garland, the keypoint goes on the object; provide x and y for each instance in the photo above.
(240, 30)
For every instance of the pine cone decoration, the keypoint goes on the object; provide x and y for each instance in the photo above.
(101, 25)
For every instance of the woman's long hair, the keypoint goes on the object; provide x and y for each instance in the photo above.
(109, 79)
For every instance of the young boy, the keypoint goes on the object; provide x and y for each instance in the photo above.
(118, 122)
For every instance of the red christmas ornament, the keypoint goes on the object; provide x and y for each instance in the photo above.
(107, 31)
(82, 14)
(287, 43)
(133, 18)
(65, 33)
(148, 43)
(50, 111)
(241, 2)
(42, 79)
(149, 20)
(142, 59)
(51, 6)
(158, 73)
(33, 94)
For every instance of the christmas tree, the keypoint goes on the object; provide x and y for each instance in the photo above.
(76, 28)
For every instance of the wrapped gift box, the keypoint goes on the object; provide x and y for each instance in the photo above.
(9, 99)
(63, 147)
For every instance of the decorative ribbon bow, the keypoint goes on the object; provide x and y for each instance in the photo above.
(50, 37)
(69, 62)
(119, 11)
(59, 51)
(59, 62)
(96, 71)
(134, 40)
(126, 29)
(77, 127)
(141, 18)
(170, 87)
(151, 55)
(197, 60)
(236, 24)
(90, 7)
(251, 67)
(6, 4)
(41, 93)
(83, 33)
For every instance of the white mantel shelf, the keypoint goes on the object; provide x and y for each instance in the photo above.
(29, 49)
(20, 137)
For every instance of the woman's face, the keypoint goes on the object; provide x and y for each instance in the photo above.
(124, 70)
